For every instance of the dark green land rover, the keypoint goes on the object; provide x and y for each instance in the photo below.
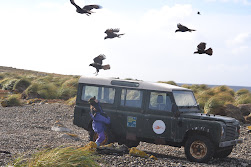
(156, 113)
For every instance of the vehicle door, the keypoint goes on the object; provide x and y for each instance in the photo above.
(129, 113)
(158, 117)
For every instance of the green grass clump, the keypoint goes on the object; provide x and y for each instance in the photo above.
(21, 84)
(59, 157)
(244, 99)
(32, 91)
(47, 91)
(242, 92)
(214, 106)
(12, 100)
(8, 84)
(71, 102)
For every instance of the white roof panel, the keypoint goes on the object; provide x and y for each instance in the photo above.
(142, 84)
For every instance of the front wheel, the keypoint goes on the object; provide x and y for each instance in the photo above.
(199, 148)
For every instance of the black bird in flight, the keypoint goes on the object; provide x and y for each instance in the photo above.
(98, 61)
(198, 13)
(112, 33)
(182, 28)
(201, 49)
(86, 9)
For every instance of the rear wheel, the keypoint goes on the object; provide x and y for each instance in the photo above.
(109, 138)
(199, 148)
(223, 153)
(130, 143)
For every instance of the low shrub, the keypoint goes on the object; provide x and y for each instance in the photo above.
(47, 91)
(242, 92)
(71, 102)
(21, 85)
(12, 100)
(214, 106)
(243, 99)
(224, 88)
(58, 157)
(9, 84)
(66, 93)
(32, 91)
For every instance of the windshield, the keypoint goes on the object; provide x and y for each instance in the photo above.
(184, 98)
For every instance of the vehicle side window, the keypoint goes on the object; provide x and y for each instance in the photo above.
(103, 94)
(131, 98)
(160, 101)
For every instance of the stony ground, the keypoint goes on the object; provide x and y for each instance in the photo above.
(28, 128)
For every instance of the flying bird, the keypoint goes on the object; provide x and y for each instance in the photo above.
(112, 33)
(198, 13)
(86, 9)
(182, 28)
(201, 49)
(98, 61)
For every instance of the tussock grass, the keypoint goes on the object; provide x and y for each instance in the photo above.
(58, 157)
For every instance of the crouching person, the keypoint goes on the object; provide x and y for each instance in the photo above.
(100, 119)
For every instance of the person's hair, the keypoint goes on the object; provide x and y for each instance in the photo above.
(91, 101)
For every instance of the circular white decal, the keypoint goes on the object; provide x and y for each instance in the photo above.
(159, 127)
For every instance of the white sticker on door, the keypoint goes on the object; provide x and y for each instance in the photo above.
(159, 127)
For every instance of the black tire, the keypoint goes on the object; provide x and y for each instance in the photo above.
(223, 153)
(130, 143)
(109, 138)
(199, 148)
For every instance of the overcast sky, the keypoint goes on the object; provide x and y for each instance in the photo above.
(49, 36)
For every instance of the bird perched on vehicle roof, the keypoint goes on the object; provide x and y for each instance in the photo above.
(112, 33)
(183, 28)
(201, 49)
(98, 61)
(86, 9)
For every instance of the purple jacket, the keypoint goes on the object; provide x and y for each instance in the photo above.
(99, 121)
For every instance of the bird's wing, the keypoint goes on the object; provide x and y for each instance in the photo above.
(73, 3)
(111, 31)
(201, 46)
(104, 57)
(209, 51)
(90, 7)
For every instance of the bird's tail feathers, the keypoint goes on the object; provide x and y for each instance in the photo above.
(120, 34)
(209, 51)
(106, 67)
(191, 30)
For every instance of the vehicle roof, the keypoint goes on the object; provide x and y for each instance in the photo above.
(141, 84)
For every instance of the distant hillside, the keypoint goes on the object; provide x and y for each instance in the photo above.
(235, 88)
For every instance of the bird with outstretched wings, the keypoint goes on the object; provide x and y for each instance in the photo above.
(182, 28)
(86, 9)
(98, 63)
(201, 49)
(112, 33)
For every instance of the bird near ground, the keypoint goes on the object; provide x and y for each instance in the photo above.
(98, 61)
(182, 28)
(86, 9)
(201, 48)
(112, 33)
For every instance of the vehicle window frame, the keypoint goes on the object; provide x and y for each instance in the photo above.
(81, 87)
(148, 110)
(131, 108)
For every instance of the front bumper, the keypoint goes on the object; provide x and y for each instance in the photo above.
(230, 143)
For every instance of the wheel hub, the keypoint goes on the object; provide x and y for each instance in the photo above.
(198, 149)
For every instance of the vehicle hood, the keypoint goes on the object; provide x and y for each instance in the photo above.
(208, 117)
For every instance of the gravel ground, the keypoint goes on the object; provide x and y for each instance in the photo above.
(28, 128)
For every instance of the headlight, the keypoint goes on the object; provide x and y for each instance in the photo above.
(223, 131)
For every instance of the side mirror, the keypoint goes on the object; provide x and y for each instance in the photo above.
(175, 110)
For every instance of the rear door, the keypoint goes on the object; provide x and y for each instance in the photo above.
(129, 114)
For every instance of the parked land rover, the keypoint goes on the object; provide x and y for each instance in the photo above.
(156, 113)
